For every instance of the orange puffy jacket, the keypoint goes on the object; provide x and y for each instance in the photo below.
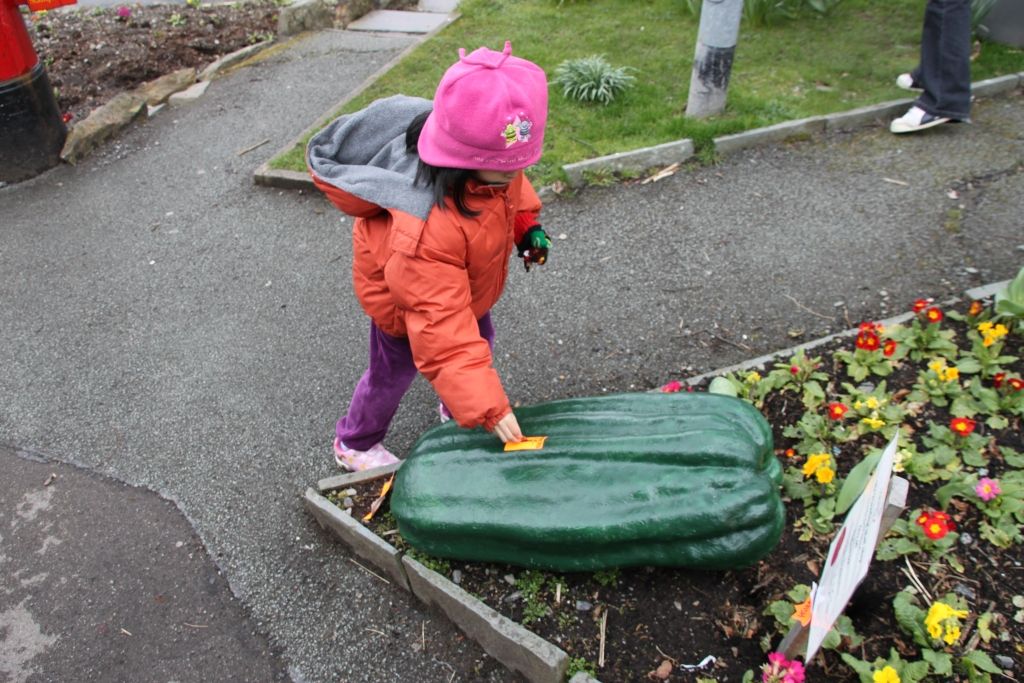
(430, 279)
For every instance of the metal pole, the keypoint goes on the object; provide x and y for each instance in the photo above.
(712, 63)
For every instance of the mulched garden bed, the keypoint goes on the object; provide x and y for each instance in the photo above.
(657, 622)
(93, 53)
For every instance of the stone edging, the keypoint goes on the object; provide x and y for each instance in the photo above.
(640, 160)
(507, 641)
(643, 159)
(179, 87)
(510, 643)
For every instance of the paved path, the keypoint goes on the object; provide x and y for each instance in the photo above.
(170, 326)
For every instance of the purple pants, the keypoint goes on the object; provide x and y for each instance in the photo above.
(382, 386)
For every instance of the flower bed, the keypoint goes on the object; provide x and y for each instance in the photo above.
(943, 599)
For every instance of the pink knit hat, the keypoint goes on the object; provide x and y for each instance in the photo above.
(489, 113)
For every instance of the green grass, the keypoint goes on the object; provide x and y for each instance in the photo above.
(804, 67)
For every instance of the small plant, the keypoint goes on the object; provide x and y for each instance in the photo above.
(608, 577)
(592, 79)
(261, 37)
(980, 10)
(873, 353)
(177, 20)
(580, 664)
(1010, 301)
(194, 4)
(531, 584)
(925, 337)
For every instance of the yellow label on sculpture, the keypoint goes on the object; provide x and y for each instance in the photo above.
(529, 443)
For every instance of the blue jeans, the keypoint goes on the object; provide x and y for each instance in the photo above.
(381, 388)
(945, 68)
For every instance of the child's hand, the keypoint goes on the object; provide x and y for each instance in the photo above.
(508, 430)
(533, 248)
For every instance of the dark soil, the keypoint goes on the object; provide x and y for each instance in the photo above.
(91, 54)
(680, 616)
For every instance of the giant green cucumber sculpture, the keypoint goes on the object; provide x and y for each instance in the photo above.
(685, 479)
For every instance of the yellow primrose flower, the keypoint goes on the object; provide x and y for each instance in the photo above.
(985, 326)
(992, 334)
(872, 403)
(873, 422)
(886, 675)
(753, 378)
(951, 374)
(902, 458)
(943, 618)
(814, 462)
(824, 474)
(937, 366)
(858, 404)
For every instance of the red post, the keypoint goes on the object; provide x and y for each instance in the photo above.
(32, 131)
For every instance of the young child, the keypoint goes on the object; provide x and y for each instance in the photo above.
(440, 199)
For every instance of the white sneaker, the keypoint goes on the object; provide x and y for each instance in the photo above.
(357, 461)
(443, 412)
(906, 81)
(916, 119)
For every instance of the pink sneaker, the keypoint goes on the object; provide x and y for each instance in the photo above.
(357, 461)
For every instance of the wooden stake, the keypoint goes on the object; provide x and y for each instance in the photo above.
(604, 626)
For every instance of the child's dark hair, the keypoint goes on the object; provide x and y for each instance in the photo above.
(443, 181)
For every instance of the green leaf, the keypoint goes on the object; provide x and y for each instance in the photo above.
(891, 548)
(981, 660)
(913, 672)
(941, 662)
(721, 385)
(864, 670)
(855, 482)
(997, 422)
(968, 365)
(910, 618)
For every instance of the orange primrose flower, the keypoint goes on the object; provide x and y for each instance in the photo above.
(1016, 383)
(962, 425)
(889, 348)
(867, 340)
(935, 524)
(921, 304)
(933, 314)
(976, 308)
(802, 612)
(836, 410)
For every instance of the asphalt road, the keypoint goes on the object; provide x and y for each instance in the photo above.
(170, 326)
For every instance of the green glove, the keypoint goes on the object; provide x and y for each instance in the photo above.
(533, 247)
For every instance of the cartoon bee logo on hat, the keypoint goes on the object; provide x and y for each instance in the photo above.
(517, 130)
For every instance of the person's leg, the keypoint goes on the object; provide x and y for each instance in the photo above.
(379, 391)
(945, 69)
(486, 327)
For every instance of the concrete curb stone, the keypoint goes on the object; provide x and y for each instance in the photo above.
(778, 132)
(216, 68)
(189, 94)
(510, 643)
(102, 124)
(363, 542)
(636, 160)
